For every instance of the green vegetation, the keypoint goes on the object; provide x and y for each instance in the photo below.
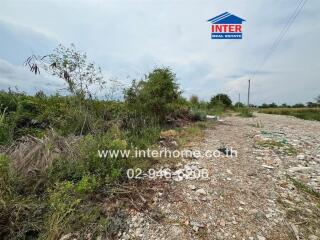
(245, 112)
(52, 180)
(157, 96)
(301, 186)
(278, 145)
(218, 105)
(303, 113)
(221, 99)
(49, 180)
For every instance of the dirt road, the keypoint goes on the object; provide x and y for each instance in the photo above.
(260, 194)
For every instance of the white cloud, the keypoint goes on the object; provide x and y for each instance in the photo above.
(12, 76)
(130, 37)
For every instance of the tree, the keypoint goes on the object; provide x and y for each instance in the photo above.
(298, 105)
(264, 105)
(155, 95)
(311, 104)
(273, 105)
(239, 104)
(221, 99)
(318, 99)
(72, 66)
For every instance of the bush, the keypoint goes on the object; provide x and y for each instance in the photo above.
(217, 109)
(143, 138)
(8, 101)
(88, 162)
(155, 96)
(198, 115)
(68, 212)
(245, 112)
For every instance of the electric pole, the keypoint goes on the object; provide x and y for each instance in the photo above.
(249, 94)
(239, 101)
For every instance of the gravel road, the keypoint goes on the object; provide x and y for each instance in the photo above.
(269, 191)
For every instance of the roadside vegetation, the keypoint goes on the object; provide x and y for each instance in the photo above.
(52, 181)
(303, 113)
(308, 111)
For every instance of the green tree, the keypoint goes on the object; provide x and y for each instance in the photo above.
(273, 105)
(298, 105)
(264, 105)
(311, 104)
(239, 104)
(156, 95)
(221, 99)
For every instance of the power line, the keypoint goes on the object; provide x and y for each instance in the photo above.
(282, 32)
(281, 35)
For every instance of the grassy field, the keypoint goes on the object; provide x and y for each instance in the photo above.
(304, 113)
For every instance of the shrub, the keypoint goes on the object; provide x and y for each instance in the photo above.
(87, 162)
(70, 210)
(63, 201)
(245, 112)
(8, 101)
(198, 115)
(217, 109)
(239, 105)
(142, 138)
(155, 96)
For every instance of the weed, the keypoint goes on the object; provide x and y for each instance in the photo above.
(198, 115)
(245, 112)
(300, 185)
(189, 134)
(278, 145)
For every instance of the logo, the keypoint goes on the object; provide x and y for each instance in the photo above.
(226, 26)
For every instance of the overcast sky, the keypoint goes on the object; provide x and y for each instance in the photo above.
(128, 38)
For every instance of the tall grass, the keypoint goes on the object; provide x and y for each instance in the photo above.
(303, 113)
(244, 112)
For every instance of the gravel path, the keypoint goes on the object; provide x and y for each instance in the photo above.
(260, 194)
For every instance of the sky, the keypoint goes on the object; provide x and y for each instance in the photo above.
(129, 38)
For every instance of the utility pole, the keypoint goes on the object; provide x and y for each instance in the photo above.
(239, 101)
(249, 93)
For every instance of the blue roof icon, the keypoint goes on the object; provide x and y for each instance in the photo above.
(226, 18)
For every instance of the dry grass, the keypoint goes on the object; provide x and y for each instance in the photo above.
(32, 157)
